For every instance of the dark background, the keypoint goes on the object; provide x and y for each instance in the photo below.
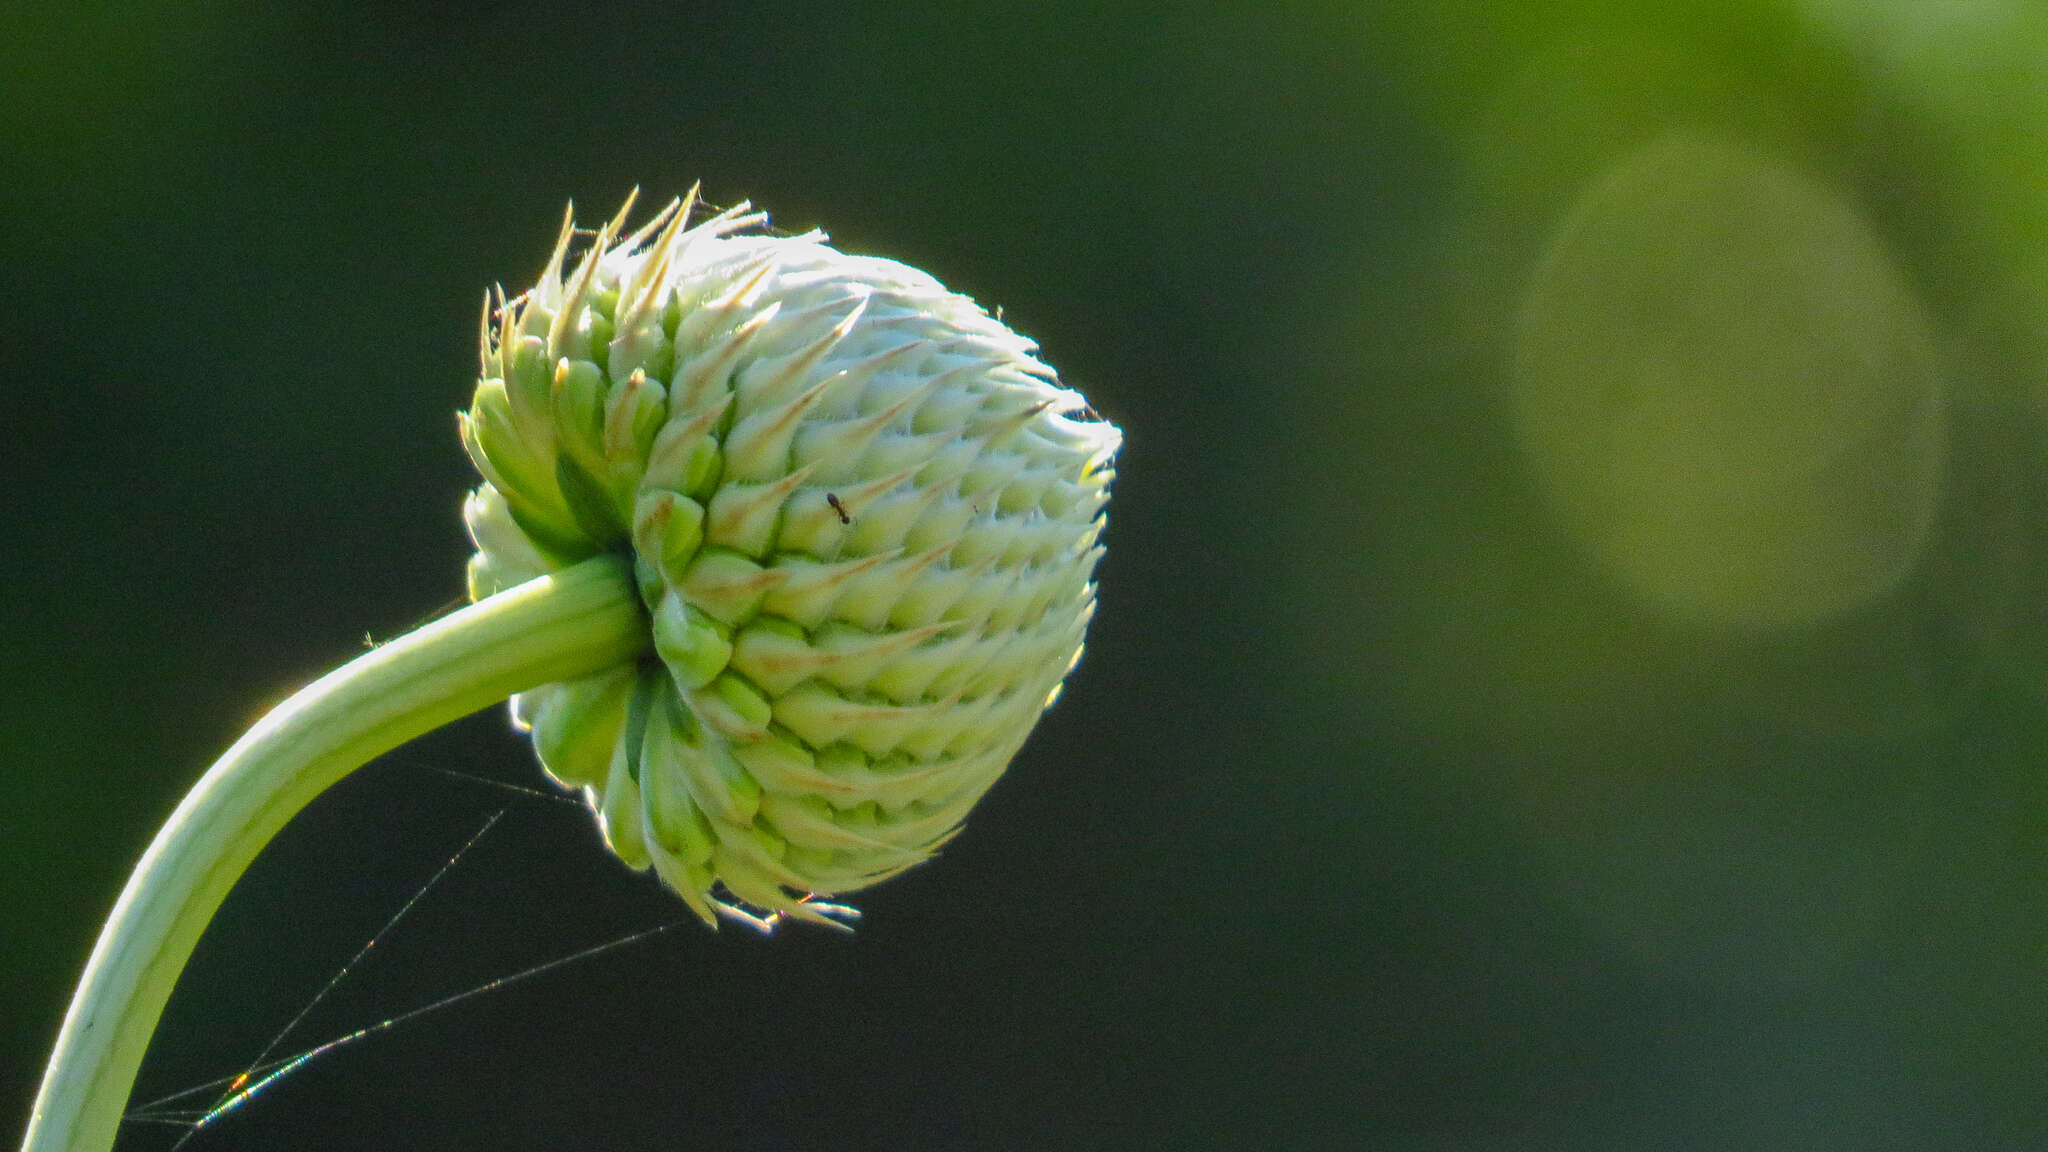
(1381, 814)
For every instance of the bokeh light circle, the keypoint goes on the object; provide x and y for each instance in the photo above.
(1728, 390)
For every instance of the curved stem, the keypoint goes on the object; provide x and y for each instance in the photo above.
(574, 622)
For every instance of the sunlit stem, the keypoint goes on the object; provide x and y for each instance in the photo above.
(576, 621)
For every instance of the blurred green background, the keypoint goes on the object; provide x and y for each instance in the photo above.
(1572, 669)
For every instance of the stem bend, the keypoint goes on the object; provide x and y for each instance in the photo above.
(573, 622)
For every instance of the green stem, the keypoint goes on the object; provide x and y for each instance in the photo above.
(577, 621)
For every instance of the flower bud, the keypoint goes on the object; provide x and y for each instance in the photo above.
(862, 514)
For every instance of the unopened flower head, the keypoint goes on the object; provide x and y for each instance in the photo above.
(863, 517)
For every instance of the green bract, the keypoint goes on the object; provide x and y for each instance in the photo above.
(863, 518)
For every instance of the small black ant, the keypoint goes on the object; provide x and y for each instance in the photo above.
(832, 498)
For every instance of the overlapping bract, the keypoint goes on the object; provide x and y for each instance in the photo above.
(862, 515)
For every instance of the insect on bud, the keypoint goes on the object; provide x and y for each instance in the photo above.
(864, 520)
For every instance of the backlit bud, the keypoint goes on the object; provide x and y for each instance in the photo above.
(864, 518)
